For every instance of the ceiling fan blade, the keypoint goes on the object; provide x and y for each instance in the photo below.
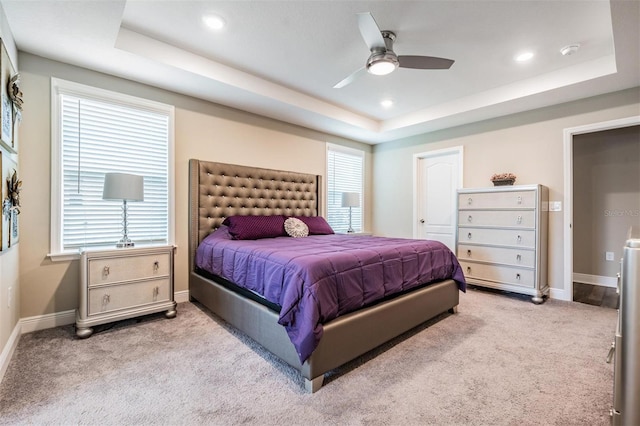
(425, 62)
(370, 31)
(350, 78)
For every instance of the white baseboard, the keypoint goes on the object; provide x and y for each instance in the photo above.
(9, 348)
(559, 294)
(42, 322)
(595, 280)
(181, 296)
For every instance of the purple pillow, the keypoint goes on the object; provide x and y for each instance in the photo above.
(317, 225)
(255, 227)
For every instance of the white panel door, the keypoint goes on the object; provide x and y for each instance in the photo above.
(438, 180)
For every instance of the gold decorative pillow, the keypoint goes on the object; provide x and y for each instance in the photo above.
(296, 228)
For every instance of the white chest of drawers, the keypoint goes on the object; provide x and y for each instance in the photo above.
(124, 283)
(502, 238)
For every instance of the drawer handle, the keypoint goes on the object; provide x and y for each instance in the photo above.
(517, 276)
(469, 200)
(105, 271)
(519, 239)
(519, 199)
(469, 236)
(468, 253)
(469, 219)
(156, 266)
(156, 292)
(105, 300)
(519, 219)
(518, 257)
(468, 269)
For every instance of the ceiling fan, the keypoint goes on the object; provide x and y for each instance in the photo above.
(383, 59)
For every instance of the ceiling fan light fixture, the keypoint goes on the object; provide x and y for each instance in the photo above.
(382, 64)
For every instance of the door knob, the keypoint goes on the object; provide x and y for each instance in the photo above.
(421, 220)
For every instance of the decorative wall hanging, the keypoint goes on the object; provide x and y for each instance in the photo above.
(10, 203)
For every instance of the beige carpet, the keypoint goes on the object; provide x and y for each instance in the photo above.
(499, 361)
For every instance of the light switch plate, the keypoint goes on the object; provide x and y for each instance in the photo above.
(555, 206)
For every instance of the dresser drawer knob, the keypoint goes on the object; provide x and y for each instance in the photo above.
(518, 257)
(469, 200)
(156, 292)
(468, 269)
(469, 219)
(519, 238)
(519, 219)
(517, 276)
(105, 271)
(469, 236)
(105, 300)
(519, 199)
(156, 265)
(468, 253)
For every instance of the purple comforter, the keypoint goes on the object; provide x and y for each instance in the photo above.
(318, 278)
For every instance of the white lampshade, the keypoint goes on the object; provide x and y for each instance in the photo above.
(350, 199)
(123, 186)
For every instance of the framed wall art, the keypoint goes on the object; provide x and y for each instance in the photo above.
(8, 113)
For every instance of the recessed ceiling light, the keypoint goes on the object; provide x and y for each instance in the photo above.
(215, 22)
(387, 103)
(524, 56)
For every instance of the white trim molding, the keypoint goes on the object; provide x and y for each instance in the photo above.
(42, 322)
(9, 348)
(568, 188)
(600, 280)
(181, 296)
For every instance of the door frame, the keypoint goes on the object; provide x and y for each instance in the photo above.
(568, 193)
(459, 151)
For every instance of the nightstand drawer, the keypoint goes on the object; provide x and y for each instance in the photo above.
(111, 298)
(130, 268)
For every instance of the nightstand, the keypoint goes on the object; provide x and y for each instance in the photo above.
(117, 284)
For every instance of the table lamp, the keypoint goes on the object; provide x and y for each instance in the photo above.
(350, 199)
(125, 187)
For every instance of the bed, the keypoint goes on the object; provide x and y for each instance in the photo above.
(218, 191)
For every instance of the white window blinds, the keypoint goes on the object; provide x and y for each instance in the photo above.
(98, 136)
(345, 173)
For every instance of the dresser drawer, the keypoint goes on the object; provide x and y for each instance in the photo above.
(503, 218)
(505, 256)
(116, 269)
(501, 274)
(491, 200)
(502, 237)
(126, 296)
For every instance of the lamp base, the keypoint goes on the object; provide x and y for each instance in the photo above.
(124, 243)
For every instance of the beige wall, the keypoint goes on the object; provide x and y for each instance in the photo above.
(606, 197)
(9, 259)
(202, 130)
(529, 144)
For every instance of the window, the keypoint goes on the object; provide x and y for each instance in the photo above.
(345, 173)
(95, 132)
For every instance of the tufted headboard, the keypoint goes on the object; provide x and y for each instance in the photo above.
(218, 190)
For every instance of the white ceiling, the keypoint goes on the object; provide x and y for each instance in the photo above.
(281, 59)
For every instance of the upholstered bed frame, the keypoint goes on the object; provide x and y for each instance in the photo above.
(219, 190)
